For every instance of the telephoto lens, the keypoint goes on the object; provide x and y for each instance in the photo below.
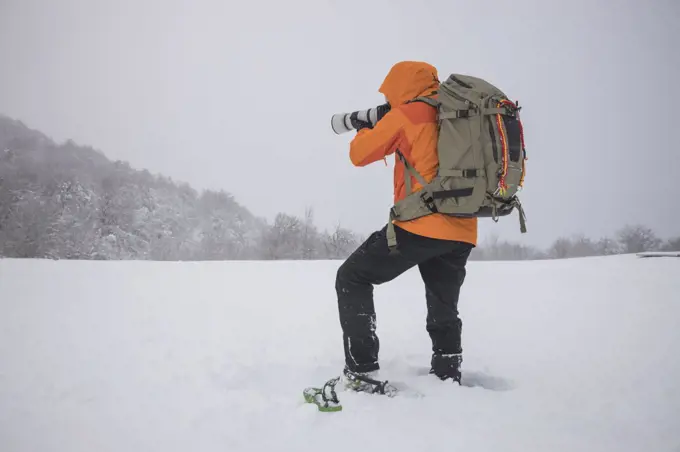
(341, 123)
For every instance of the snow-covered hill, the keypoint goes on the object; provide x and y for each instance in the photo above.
(562, 355)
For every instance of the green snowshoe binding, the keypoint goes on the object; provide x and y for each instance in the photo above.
(325, 398)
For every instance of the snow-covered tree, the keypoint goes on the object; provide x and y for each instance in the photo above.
(72, 229)
(284, 239)
(635, 239)
(340, 243)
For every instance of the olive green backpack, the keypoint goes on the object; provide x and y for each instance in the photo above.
(481, 156)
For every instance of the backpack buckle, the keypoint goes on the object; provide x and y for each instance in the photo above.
(428, 200)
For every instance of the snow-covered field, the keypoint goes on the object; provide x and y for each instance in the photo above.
(570, 355)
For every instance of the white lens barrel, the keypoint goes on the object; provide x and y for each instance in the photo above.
(340, 122)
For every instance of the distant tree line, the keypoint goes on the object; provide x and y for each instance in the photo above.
(71, 202)
(64, 201)
(629, 239)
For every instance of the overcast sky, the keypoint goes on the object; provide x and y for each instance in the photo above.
(238, 96)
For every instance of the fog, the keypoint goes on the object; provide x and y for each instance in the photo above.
(238, 96)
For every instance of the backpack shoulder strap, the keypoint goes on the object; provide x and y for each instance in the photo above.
(427, 100)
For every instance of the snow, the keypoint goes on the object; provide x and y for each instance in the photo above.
(574, 354)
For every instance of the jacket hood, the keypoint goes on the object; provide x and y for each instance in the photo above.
(407, 80)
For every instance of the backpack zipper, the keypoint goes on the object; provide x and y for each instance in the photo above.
(460, 82)
(456, 95)
(493, 139)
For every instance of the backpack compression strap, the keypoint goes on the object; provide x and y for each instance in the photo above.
(391, 233)
(412, 172)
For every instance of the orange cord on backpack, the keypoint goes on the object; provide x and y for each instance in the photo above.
(502, 185)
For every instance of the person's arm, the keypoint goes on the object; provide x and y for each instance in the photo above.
(371, 145)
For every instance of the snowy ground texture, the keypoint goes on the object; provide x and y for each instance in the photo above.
(580, 354)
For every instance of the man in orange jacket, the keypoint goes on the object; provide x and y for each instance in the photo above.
(439, 245)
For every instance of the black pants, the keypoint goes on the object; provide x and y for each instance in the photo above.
(442, 267)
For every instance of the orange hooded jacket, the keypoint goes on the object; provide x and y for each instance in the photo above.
(411, 129)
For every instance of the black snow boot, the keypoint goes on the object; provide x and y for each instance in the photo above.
(447, 366)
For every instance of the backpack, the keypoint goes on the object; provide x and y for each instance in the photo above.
(481, 156)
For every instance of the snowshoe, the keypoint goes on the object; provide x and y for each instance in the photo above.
(324, 398)
(364, 382)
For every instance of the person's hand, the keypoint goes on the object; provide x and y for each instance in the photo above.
(358, 124)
